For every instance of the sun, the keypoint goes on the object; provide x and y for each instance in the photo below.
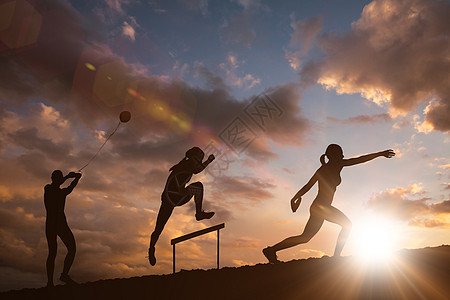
(375, 239)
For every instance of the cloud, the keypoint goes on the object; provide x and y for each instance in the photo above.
(41, 68)
(395, 54)
(213, 81)
(179, 69)
(117, 5)
(128, 28)
(242, 189)
(289, 129)
(362, 119)
(21, 239)
(286, 126)
(28, 139)
(305, 32)
(397, 203)
(289, 171)
(259, 150)
(302, 39)
(232, 74)
(196, 5)
(57, 109)
(293, 58)
(441, 207)
(249, 4)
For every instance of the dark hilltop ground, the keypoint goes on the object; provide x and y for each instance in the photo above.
(414, 274)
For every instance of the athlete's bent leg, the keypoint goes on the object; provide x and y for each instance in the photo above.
(334, 215)
(312, 227)
(165, 211)
(196, 189)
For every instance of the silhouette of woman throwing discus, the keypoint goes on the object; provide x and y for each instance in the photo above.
(56, 223)
(328, 176)
(176, 193)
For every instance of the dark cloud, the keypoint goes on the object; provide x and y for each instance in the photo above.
(441, 207)
(167, 115)
(438, 112)
(242, 189)
(34, 163)
(43, 67)
(29, 139)
(291, 126)
(260, 151)
(213, 81)
(396, 53)
(208, 113)
(60, 99)
(21, 239)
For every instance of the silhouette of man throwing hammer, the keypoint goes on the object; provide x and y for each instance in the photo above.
(56, 223)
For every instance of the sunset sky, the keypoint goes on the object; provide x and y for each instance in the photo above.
(367, 75)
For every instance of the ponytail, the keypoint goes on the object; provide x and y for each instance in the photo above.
(181, 161)
(322, 159)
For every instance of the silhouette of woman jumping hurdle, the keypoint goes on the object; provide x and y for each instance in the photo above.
(176, 193)
(56, 223)
(328, 176)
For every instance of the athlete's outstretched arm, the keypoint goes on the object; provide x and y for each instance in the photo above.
(74, 182)
(295, 201)
(201, 166)
(365, 158)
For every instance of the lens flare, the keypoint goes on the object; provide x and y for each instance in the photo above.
(375, 239)
(90, 66)
(20, 24)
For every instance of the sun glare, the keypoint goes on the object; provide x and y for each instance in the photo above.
(375, 240)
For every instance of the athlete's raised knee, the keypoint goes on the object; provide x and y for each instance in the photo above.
(347, 225)
(196, 188)
(197, 184)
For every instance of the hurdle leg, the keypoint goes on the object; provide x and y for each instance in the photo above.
(218, 248)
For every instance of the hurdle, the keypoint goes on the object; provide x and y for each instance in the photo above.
(194, 234)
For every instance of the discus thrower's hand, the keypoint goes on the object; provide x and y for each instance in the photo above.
(295, 203)
(211, 157)
(388, 153)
